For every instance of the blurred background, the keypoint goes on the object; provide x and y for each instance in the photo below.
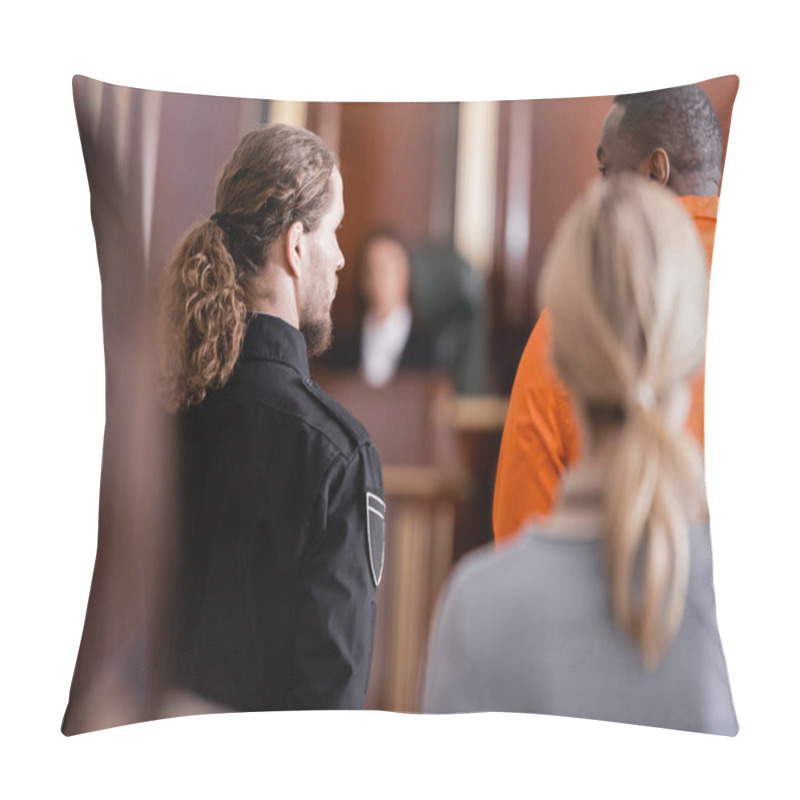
(474, 191)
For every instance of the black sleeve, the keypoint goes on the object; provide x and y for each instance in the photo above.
(337, 592)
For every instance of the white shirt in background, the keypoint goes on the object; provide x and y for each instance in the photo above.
(382, 345)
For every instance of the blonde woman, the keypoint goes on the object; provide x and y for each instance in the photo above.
(606, 610)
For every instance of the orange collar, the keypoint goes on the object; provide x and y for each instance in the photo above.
(700, 207)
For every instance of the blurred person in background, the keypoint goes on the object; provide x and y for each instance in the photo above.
(282, 524)
(389, 337)
(606, 611)
(671, 137)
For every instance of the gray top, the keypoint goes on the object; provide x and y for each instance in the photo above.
(529, 628)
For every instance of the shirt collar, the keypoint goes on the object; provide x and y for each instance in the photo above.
(269, 338)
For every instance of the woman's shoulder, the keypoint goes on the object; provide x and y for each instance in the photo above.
(497, 574)
(537, 562)
(487, 563)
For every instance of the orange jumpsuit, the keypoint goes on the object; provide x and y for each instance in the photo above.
(541, 434)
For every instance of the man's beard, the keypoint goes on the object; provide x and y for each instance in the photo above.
(318, 334)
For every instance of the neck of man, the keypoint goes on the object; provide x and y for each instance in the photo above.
(275, 292)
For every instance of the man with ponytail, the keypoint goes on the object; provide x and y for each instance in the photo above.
(671, 137)
(282, 543)
(606, 610)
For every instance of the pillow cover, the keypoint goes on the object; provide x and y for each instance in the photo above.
(488, 181)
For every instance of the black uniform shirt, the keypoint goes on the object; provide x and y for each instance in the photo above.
(282, 544)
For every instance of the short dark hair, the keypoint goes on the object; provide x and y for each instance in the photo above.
(681, 120)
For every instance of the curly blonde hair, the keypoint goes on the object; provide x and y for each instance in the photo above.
(626, 283)
(278, 175)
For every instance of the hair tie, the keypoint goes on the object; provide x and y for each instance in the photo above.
(643, 395)
(220, 219)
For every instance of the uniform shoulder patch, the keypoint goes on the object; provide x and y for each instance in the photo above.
(376, 535)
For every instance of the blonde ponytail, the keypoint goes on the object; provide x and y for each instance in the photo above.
(626, 284)
(653, 491)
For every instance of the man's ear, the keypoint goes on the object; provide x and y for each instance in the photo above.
(658, 166)
(294, 247)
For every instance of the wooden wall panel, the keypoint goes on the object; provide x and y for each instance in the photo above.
(197, 136)
(564, 163)
(547, 156)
